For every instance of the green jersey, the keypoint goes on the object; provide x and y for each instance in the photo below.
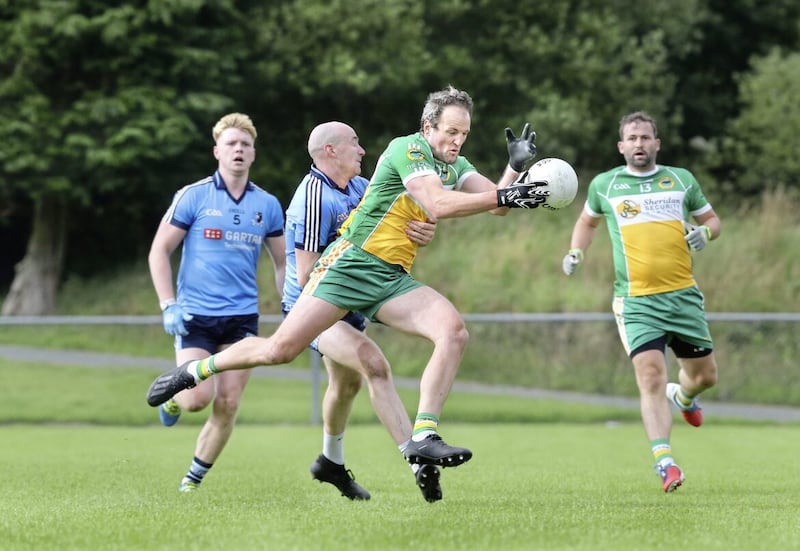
(645, 216)
(378, 223)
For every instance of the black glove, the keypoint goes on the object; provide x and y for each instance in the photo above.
(521, 196)
(521, 150)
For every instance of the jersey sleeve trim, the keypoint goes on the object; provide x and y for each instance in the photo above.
(588, 210)
(313, 216)
(464, 177)
(180, 225)
(417, 174)
(702, 210)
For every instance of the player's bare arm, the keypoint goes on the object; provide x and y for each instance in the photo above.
(712, 221)
(166, 240)
(276, 247)
(440, 203)
(478, 183)
(305, 263)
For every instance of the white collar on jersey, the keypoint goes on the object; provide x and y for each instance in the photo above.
(642, 174)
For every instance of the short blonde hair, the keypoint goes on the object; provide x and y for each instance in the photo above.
(234, 120)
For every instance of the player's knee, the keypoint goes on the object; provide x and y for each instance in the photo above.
(344, 385)
(651, 385)
(226, 406)
(702, 372)
(372, 364)
(459, 337)
(376, 368)
(651, 377)
(279, 352)
(194, 406)
(709, 376)
(351, 387)
(278, 357)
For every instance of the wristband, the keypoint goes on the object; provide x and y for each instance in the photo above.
(577, 253)
(708, 231)
(164, 304)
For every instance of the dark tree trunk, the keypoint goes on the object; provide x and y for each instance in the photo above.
(33, 291)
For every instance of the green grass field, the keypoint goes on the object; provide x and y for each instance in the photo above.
(87, 466)
(529, 486)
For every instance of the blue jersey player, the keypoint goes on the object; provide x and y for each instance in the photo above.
(321, 203)
(223, 221)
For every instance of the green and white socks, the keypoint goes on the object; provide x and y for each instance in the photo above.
(201, 369)
(662, 451)
(424, 425)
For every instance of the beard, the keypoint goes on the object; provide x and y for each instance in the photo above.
(640, 161)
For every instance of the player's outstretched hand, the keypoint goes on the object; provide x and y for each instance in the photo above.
(521, 150)
(173, 318)
(571, 261)
(521, 196)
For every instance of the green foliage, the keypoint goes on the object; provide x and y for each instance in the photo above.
(759, 239)
(759, 145)
(102, 99)
(513, 264)
(110, 105)
(572, 70)
(119, 99)
(727, 35)
(103, 117)
(315, 55)
(359, 61)
(518, 266)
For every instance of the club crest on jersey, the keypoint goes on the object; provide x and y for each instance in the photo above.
(258, 220)
(666, 183)
(444, 173)
(628, 209)
(414, 154)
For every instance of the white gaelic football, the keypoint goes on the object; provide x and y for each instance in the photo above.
(559, 179)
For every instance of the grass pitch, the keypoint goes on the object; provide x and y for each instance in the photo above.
(529, 486)
(85, 465)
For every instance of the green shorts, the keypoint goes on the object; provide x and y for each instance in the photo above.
(677, 314)
(351, 278)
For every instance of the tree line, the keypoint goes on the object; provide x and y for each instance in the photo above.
(108, 106)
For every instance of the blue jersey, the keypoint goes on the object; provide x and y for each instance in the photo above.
(313, 218)
(223, 241)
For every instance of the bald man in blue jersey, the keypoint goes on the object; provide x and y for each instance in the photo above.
(322, 201)
(223, 221)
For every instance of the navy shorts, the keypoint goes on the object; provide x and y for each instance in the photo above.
(211, 332)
